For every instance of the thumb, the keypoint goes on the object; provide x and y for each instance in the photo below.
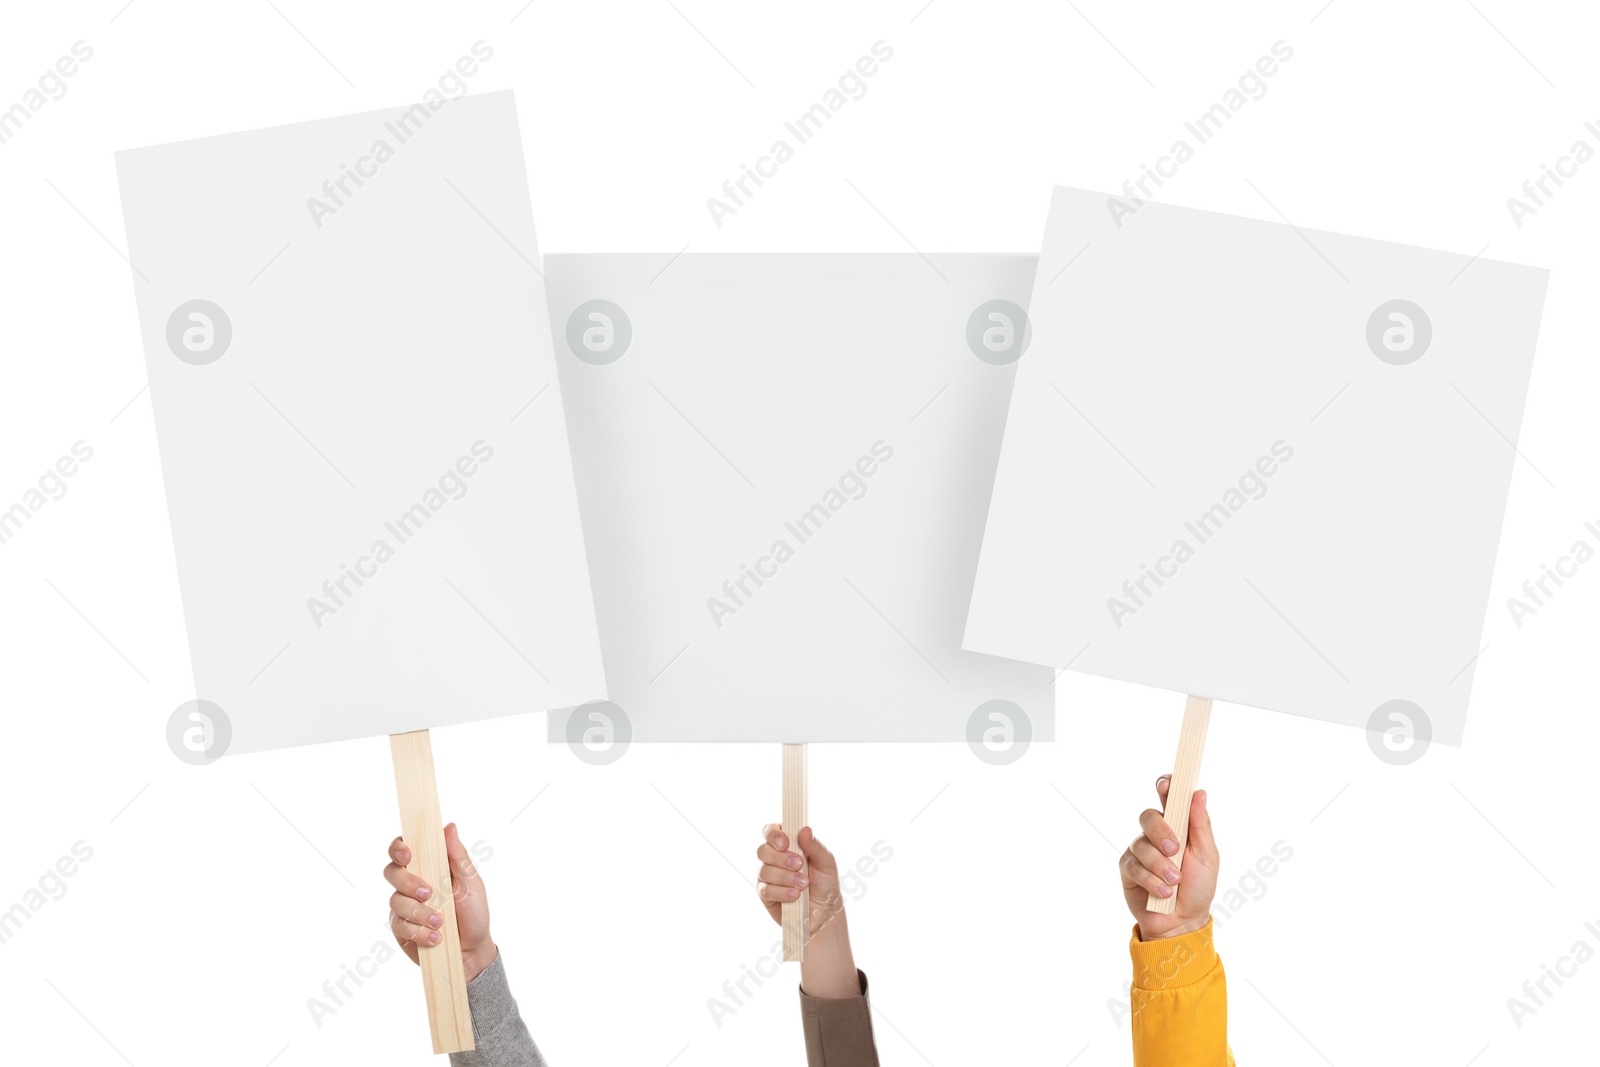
(462, 870)
(817, 854)
(1200, 839)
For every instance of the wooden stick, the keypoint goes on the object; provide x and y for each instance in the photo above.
(1185, 780)
(796, 914)
(444, 976)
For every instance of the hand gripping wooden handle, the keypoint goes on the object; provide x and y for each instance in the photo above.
(444, 975)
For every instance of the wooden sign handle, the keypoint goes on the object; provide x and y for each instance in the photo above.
(1185, 780)
(797, 913)
(444, 976)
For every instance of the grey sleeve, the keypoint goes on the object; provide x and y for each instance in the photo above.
(497, 1027)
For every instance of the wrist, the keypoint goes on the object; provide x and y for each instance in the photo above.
(1187, 927)
(829, 972)
(476, 960)
(828, 928)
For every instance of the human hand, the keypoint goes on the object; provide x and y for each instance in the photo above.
(1146, 867)
(417, 925)
(829, 971)
(785, 873)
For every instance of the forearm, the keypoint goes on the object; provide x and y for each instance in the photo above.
(501, 1037)
(833, 997)
(829, 970)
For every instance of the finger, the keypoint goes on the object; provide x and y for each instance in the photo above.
(462, 870)
(415, 911)
(774, 858)
(775, 836)
(774, 907)
(410, 931)
(1134, 873)
(1151, 859)
(777, 894)
(407, 946)
(398, 852)
(1160, 834)
(782, 876)
(816, 852)
(1200, 839)
(406, 883)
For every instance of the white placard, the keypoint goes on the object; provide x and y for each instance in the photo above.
(361, 434)
(782, 463)
(1257, 463)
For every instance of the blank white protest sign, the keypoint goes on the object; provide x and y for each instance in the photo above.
(361, 435)
(1256, 463)
(782, 463)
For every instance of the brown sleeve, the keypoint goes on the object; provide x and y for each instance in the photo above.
(839, 1032)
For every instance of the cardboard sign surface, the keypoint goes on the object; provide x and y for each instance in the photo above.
(782, 463)
(361, 434)
(1257, 463)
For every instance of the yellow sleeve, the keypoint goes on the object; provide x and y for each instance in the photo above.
(1179, 1002)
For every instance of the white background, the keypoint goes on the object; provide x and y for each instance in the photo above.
(219, 899)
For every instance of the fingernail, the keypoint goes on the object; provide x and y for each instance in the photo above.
(1170, 847)
(794, 894)
(436, 920)
(402, 856)
(783, 843)
(1161, 891)
(794, 863)
(433, 938)
(1172, 876)
(800, 881)
(423, 892)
